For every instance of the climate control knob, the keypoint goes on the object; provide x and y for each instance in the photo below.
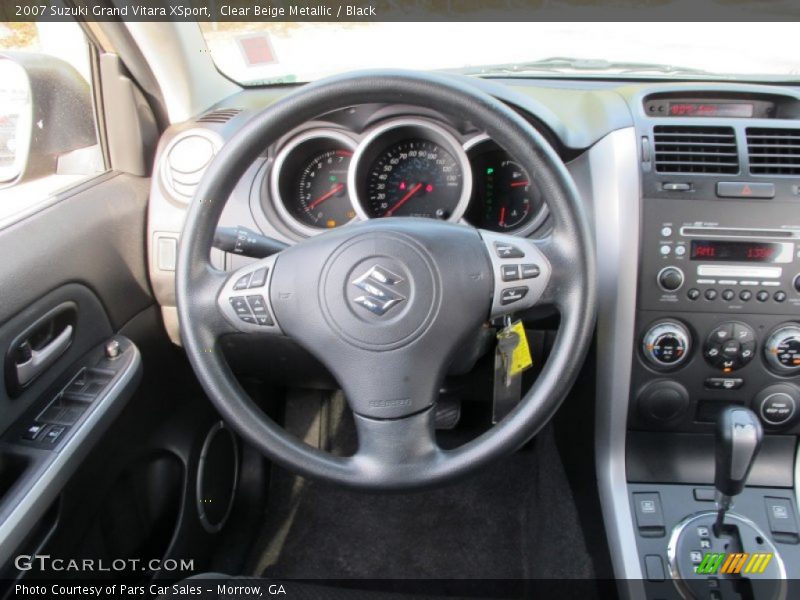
(782, 350)
(666, 344)
(670, 279)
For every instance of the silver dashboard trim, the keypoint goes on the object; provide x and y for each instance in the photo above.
(455, 146)
(615, 194)
(277, 169)
(537, 221)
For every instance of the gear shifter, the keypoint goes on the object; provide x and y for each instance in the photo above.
(738, 440)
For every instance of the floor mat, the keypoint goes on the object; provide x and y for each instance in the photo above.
(514, 519)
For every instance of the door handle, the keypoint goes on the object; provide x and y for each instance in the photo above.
(41, 358)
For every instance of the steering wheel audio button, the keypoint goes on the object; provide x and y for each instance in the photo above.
(510, 295)
(505, 250)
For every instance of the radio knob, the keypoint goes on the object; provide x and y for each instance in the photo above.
(670, 279)
(782, 350)
(666, 344)
(797, 283)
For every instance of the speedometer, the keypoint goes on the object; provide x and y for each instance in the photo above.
(411, 168)
(415, 178)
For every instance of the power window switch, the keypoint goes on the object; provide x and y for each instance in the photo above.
(33, 431)
(54, 434)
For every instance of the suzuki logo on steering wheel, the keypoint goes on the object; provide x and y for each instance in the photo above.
(378, 282)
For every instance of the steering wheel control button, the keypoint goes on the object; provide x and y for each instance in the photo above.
(649, 516)
(530, 271)
(259, 308)
(259, 278)
(666, 344)
(670, 279)
(242, 283)
(505, 250)
(511, 295)
(510, 272)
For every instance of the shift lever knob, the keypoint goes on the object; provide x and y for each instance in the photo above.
(739, 436)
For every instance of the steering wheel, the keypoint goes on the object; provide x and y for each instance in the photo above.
(385, 304)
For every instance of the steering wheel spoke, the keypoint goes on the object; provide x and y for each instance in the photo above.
(521, 269)
(244, 299)
(396, 445)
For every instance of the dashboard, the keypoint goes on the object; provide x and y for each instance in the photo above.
(694, 192)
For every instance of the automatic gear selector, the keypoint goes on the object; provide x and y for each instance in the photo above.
(721, 550)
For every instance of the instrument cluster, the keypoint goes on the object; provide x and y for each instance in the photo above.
(327, 177)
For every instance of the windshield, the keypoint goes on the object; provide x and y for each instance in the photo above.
(261, 53)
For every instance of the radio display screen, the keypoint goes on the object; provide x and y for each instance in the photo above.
(711, 109)
(758, 252)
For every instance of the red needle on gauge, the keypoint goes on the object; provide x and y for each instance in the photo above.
(333, 191)
(519, 183)
(502, 216)
(404, 199)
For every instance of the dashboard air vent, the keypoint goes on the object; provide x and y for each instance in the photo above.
(219, 115)
(185, 161)
(695, 149)
(773, 151)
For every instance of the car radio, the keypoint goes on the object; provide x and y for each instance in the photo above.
(729, 266)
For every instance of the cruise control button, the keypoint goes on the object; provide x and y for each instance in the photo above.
(248, 319)
(259, 277)
(510, 272)
(242, 282)
(504, 250)
(509, 295)
(265, 320)
(530, 271)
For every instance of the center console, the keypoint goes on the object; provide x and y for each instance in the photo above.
(716, 324)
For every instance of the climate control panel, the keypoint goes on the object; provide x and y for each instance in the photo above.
(690, 367)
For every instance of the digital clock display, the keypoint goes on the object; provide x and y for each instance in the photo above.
(759, 252)
(711, 109)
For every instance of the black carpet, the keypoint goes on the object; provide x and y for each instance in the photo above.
(513, 520)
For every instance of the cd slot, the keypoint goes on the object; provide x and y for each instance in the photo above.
(733, 232)
(739, 271)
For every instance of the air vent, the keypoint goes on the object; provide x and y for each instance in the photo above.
(695, 149)
(185, 161)
(219, 115)
(773, 151)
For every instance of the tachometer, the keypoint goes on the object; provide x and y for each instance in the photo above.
(411, 168)
(309, 181)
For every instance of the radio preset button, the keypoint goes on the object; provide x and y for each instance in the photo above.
(745, 295)
(779, 296)
(711, 294)
(728, 295)
(762, 295)
(693, 294)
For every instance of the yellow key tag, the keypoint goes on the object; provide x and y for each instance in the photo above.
(519, 358)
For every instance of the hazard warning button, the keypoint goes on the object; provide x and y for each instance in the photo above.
(740, 189)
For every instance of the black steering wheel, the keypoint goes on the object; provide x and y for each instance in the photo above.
(385, 304)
